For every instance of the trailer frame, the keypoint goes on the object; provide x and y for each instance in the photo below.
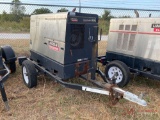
(115, 93)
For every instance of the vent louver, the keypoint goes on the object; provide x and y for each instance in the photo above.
(126, 41)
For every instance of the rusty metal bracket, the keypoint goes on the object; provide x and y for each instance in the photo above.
(85, 68)
(114, 96)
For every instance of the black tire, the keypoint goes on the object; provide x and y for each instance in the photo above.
(29, 74)
(123, 73)
(12, 67)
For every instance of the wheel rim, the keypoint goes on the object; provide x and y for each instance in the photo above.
(25, 76)
(115, 70)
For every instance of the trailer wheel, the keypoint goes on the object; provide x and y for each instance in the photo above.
(29, 74)
(122, 71)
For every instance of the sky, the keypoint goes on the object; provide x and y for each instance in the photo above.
(132, 4)
(127, 4)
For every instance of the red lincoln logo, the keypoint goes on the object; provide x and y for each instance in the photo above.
(156, 29)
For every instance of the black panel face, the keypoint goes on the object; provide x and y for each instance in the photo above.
(81, 37)
(80, 40)
(77, 36)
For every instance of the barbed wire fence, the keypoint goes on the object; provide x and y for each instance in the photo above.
(16, 30)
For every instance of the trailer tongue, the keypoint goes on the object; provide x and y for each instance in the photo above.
(116, 93)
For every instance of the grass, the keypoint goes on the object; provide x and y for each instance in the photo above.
(15, 27)
(102, 48)
(51, 101)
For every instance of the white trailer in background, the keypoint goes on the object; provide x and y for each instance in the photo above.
(133, 43)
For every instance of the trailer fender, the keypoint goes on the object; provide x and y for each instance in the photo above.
(9, 56)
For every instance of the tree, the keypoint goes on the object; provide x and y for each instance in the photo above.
(107, 15)
(62, 10)
(41, 11)
(17, 8)
(4, 16)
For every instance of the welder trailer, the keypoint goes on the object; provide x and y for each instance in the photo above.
(63, 46)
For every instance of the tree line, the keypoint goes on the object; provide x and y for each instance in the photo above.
(18, 20)
(18, 12)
